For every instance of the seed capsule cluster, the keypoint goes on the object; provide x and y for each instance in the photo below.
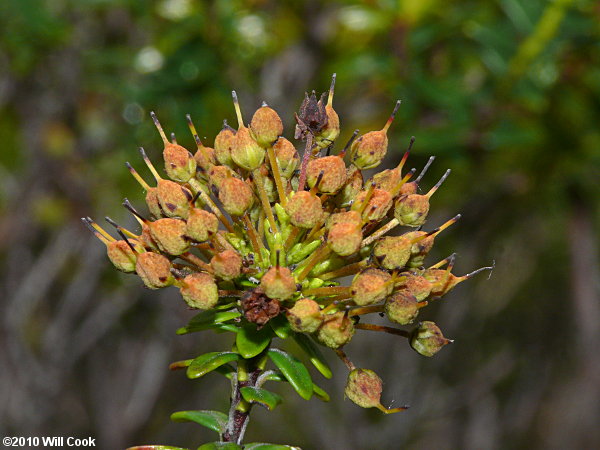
(249, 220)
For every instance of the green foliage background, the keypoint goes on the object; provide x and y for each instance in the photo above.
(506, 93)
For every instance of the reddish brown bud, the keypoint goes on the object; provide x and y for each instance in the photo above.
(337, 330)
(266, 126)
(227, 265)
(279, 283)
(287, 157)
(154, 270)
(122, 256)
(428, 339)
(223, 144)
(305, 209)
(312, 116)
(200, 291)
(305, 316)
(392, 252)
(411, 210)
(169, 235)
(180, 165)
(258, 308)
(364, 388)
(201, 224)
(174, 199)
(236, 196)
(402, 307)
(371, 286)
(345, 238)
(333, 170)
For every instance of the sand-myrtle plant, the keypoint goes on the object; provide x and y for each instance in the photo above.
(259, 241)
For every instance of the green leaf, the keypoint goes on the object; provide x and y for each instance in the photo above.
(314, 354)
(208, 319)
(209, 362)
(263, 397)
(263, 446)
(280, 326)
(214, 420)
(250, 341)
(155, 447)
(320, 393)
(294, 371)
(220, 446)
(275, 375)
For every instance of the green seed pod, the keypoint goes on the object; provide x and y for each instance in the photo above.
(223, 144)
(377, 206)
(304, 209)
(153, 203)
(441, 281)
(122, 256)
(337, 330)
(408, 189)
(369, 150)
(200, 291)
(345, 238)
(353, 185)
(417, 286)
(387, 180)
(169, 235)
(147, 240)
(154, 270)
(236, 196)
(278, 283)
(392, 252)
(420, 249)
(371, 286)
(428, 339)
(205, 157)
(287, 157)
(411, 210)
(217, 174)
(402, 307)
(201, 225)
(266, 126)
(334, 174)
(245, 151)
(174, 199)
(180, 165)
(331, 131)
(352, 217)
(227, 265)
(364, 388)
(305, 316)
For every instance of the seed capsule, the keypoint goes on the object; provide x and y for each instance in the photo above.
(304, 209)
(392, 252)
(201, 225)
(200, 291)
(352, 217)
(417, 285)
(345, 238)
(287, 157)
(153, 203)
(180, 165)
(351, 188)
(154, 270)
(411, 210)
(377, 206)
(337, 330)
(428, 339)
(223, 144)
(169, 235)
(371, 286)
(266, 126)
(278, 283)
(402, 307)
(364, 388)
(227, 265)
(333, 170)
(122, 256)
(236, 196)
(330, 132)
(174, 199)
(305, 316)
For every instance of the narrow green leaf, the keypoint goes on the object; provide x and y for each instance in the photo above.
(250, 341)
(320, 393)
(263, 397)
(208, 319)
(263, 446)
(280, 326)
(209, 362)
(214, 420)
(314, 354)
(275, 375)
(220, 446)
(294, 371)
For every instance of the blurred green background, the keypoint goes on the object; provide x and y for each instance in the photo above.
(504, 92)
